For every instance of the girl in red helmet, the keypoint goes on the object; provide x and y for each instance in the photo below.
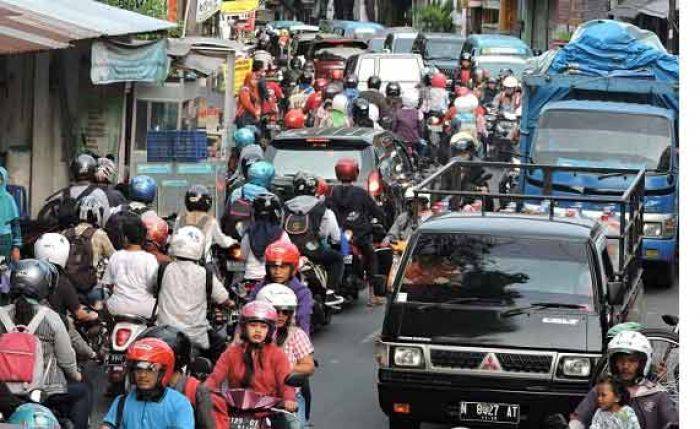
(257, 364)
(151, 405)
(438, 97)
(281, 265)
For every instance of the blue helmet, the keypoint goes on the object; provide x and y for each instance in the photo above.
(243, 137)
(143, 189)
(34, 416)
(261, 174)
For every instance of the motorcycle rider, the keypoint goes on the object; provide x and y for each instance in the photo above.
(629, 359)
(142, 194)
(302, 91)
(257, 364)
(321, 226)
(464, 75)
(375, 96)
(489, 92)
(31, 286)
(291, 76)
(264, 229)
(157, 232)
(354, 208)
(509, 99)
(293, 340)
(183, 288)
(239, 209)
(294, 119)
(105, 177)
(438, 97)
(339, 113)
(360, 113)
(350, 88)
(198, 201)
(151, 404)
(409, 122)
(249, 152)
(418, 210)
(393, 97)
(10, 231)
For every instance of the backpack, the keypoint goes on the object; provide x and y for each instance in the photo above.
(113, 228)
(240, 210)
(349, 217)
(79, 268)
(62, 211)
(304, 228)
(22, 354)
(219, 407)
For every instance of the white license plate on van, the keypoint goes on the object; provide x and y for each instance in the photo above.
(489, 412)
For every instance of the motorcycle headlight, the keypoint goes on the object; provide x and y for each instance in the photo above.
(653, 229)
(409, 357)
(575, 366)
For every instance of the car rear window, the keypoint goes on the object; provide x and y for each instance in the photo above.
(317, 157)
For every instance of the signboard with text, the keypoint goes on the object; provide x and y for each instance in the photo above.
(206, 9)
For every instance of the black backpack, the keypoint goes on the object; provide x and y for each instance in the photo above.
(303, 228)
(62, 212)
(349, 217)
(240, 210)
(79, 267)
(113, 228)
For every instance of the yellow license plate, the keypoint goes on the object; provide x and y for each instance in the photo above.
(651, 253)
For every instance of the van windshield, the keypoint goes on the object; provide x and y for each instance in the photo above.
(441, 49)
(458, 267)
(610, 139)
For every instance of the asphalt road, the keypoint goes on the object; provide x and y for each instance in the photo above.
(344, 385)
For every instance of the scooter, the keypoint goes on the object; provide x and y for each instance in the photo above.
(126, 329)
(354, 278)
(326, 301)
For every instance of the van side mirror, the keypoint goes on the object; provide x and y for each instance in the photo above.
(615, 293)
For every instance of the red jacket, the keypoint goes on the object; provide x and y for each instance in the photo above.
(268, 378)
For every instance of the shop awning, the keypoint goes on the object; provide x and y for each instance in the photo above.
(631, 8)
(205, 55)
(38, 25)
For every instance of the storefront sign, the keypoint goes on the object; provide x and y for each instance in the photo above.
(207, 8)
(239, 6)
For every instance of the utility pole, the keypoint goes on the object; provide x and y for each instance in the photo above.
(672, 26)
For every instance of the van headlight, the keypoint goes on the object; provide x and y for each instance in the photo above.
(575, 366)
(408, 357)
(653, 229)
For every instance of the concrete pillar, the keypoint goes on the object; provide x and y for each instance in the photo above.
(42, 133)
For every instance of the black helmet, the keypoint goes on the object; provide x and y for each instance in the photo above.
(295, 63)
(332, 90)
(198, 198)
(83, 167)
(351, 81)
(492, 79)
(305, 183)
(267, 206)
(178, 341)
(307, 77)
(374, 82)
(32, 279)
(360, 109)
(309, 66)
(465, 56)
(393, 89)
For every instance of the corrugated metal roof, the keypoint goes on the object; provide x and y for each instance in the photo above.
(36, 25)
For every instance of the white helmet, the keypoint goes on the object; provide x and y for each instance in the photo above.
(280, 296)
(466, 103)
(187, 243)
(410, 99)
(510, 82)
(630, 342)
(52, 247)
(411, 193)
(340, 103)
(92, 210)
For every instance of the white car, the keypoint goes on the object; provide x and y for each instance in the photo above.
(406, 69)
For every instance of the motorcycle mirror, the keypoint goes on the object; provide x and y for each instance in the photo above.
(37, 396)
(296, 380)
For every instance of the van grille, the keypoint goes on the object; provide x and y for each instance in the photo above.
(513, 362)
(456, 359)
(508, 362)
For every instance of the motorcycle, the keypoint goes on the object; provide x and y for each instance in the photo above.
(501, 146)
(354, 278)
(326, 301)
(126, 329)
(436, 138)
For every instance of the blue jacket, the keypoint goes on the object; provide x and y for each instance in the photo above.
(172, 411)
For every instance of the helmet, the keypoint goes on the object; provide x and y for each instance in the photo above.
(313, 102)
(282, 252)
(31, 279)
(153, 351)
(106, 171)
(464, 142)
(198, 198)
(320, 84)
(259, 311)
(351, 81)
(331, 91)
(248, 161)
(374, 82)
(34, 416)
(393, 89)
(461, 91)
(340, 103)
(466, 103)
(305, 183)
(492, 80)
(411, 194)
(336, 74)
(465, 56)
(373, 112)
(267, 206)
(187, 243)
(510, 82)
(360, 109)
(177, 340)
(244, 137)
(142, 189)
(295, 63)
(157, 230)
(309, 67)
(347, 170)
(52, 247)
(294, 119)
(410, 100)
(91, 210)
(261, 173)
(630, 343)
(280, 296)
(83, 167)
(322, 188)
(438, 80)
(307, 77)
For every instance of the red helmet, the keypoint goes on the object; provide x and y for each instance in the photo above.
(322, 188)
(320, 84)
(336, 74)
(347, 170)
(259, 311)
(153, 351)
(282, 252)
(438, 80)
(157, 230)
(461, 91)
(313, 102)
(294, 119)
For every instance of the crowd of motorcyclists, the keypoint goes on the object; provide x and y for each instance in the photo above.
(103, 252)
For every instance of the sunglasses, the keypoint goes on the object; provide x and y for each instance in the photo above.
(286, 312)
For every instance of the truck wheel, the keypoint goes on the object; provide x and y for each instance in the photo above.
(397, 423)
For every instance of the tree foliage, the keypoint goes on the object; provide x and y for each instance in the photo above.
(154, 8)
(435, 17)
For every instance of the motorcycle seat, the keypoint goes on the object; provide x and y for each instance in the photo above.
(131, 318)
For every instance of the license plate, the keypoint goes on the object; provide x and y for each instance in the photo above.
(347, 259)
(273, 127)
(235, 266)
(244, 423)
(489, 412)
(116, 359)
(437, 128)
(651, 253)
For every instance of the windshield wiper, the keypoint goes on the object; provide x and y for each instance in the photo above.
(456, 301)
(608, 175)
(539, 306)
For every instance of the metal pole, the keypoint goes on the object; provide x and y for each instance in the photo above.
(187, 16)
(230, 101)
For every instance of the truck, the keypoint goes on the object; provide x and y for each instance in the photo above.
(587, 107)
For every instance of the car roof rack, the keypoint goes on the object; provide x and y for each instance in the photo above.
(629, 203)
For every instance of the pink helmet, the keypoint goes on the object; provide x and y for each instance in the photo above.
(259, 311)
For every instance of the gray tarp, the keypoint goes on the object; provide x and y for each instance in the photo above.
(143, 61)
(631, 8)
